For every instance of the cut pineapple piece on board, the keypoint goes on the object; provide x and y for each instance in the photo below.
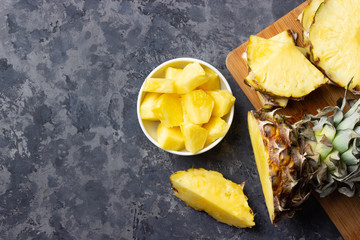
(168, 110)
(223, 100)
(147, 105)
(335, 41)
(170, 138)
(269, 102)
(280, 69)
(192, 76)
(209, 191)
(172, 73)
(159, 85)
(195, 136)
(197, 106)
(217, 128)
(213, 82)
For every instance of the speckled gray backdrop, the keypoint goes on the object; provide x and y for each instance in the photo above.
(74, 163)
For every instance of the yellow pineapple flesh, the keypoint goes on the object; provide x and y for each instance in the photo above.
(192, 76)
(217, 128)
(172, 73)
(195, 136)
(168, 110)
(197, 106)
(147, 105)
(223, 100)
(159, 85)
(170, 138)
(213, 82)
(209, 191)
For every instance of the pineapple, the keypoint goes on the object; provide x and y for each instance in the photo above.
(170, 138)
(213, 82)
(269, 102)
(321, 151)
(159, 85)
(197, 106)
(147, 105)
(195, 136)
(217, 128)
(223, 100)
(172, 73)
(168, 110)
(335, 41)
(209, 191)
(280, 69)
(192, 76)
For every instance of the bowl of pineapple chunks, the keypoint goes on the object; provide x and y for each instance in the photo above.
(185, 106)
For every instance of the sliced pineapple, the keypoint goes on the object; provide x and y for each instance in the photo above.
(172, 73)
(159, 85)
(170, 138)
(335, 41)
(217, 128)
(168, 110)
(280, 69)
(269, 102)
(197, 106)
(195, 136)
(213, 82)
(209, 191)
(147, 105)
(192, 76)
(223, 100)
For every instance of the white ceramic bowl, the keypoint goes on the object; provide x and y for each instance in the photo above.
(149, 127)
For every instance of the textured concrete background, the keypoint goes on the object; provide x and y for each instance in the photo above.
(74, 163)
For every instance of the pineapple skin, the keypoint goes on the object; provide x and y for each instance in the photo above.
(280, 164)
(209, 191)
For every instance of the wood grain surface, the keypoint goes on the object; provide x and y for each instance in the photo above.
(343, 211)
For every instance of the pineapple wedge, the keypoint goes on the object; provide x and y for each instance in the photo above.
(192, 76)
(147, 105)
(172, 73)
(213, 82)
(159, 85)
(209, 191)
(168, 110)
(170, 138)
(197, 106)
(195, 136)
(280, 69)
(335, 39)
(217, 128)
(223, 100)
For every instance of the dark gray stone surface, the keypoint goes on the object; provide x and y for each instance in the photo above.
(74, 163)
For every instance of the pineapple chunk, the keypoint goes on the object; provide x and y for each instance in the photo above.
(224, 100)
(159, 85)
(209, 191)
(197, 106)
(217, 128)
(148, 105)
(213, 82)
(195, 136)
(168, 110)
(172, 73)
(170, 138)
(192, 76)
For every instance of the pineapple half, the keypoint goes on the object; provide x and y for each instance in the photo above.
(320, 152)
(279, 69)
(334, 36)
(279, 162)
(209, 191)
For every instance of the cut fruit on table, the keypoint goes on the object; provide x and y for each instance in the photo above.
(209, 191)
(182, 101)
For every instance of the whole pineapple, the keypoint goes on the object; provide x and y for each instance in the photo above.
(322, 151)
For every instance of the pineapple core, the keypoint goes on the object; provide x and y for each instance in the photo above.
(261, 157)
(209, 191)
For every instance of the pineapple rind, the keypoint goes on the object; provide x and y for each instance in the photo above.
(211, 192)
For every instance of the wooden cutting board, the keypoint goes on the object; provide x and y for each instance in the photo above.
(343, 211)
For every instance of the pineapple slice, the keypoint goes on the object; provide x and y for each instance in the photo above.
(168, 110)
(172, 73)
(170, 138)
(209, 191)
(148, 105)
(280, 69)
(213, 82)
(269, 102)
(197, 106)
(217, 128)
(192, 76)
(159, 85)
(335, 41)
(224, 100)
(195, 136)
